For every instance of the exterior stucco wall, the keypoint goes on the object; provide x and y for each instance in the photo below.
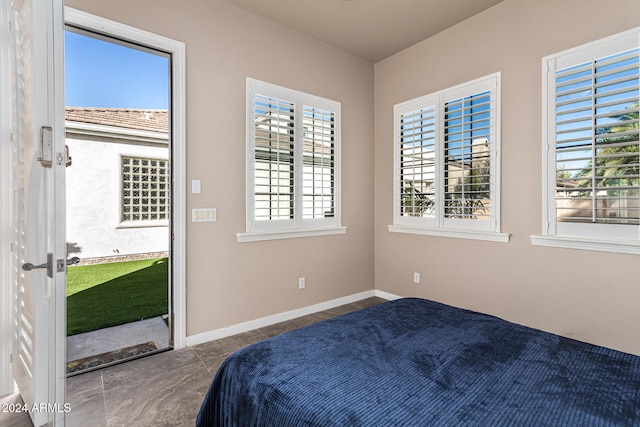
(94, 198)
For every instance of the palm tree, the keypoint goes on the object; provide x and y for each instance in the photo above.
(612, 178)
(416, 202)
(617, 159)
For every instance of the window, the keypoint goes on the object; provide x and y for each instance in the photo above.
(145, 190)
(447, 169)
(591, 143)
(293, 166)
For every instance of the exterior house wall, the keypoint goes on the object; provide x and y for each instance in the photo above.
(94, 198)
(587, 295)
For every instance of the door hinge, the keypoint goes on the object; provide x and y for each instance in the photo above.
(46, 147)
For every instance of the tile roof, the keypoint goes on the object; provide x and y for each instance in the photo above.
(147, 120)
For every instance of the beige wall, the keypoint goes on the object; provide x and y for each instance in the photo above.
(229, 282)
(591, 296)
(587, 295)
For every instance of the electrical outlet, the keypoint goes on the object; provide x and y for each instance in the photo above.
(301, 283)
(416, 278)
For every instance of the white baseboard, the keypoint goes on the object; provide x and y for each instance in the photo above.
(283, 317)
(386, 295)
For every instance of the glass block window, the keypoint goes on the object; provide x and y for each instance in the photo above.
(145, 189)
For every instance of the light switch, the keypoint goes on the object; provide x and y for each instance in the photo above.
(195, 186)
(204, 215)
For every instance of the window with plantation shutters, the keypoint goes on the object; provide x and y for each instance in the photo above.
(447, 171)
(293, 179)
(274, 158)
(318, 162)
(467, 157)
(417, 167)
(592, 143)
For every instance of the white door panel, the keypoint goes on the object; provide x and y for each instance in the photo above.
(38, 207)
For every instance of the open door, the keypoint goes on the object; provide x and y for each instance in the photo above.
(38, 250)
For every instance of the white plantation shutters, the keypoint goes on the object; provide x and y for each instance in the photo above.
(318, 159)
(446, 158)
(274, 158)
(293, 169)
(593, 99)
(597, 141)
(417, 162)
(467, 157)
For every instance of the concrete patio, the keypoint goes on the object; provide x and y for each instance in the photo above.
(117, 337)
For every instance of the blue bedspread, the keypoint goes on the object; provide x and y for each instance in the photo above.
(414, 362)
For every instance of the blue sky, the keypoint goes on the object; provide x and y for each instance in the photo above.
(102, 74)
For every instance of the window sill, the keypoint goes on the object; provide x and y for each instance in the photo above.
(289, 234)
(143, 224)
(602, 245)
(490, 236)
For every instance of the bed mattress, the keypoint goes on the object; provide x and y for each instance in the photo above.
(414, 362)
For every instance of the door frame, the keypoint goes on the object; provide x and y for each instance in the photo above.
(177, 245)
(6, 378)
(178, 155)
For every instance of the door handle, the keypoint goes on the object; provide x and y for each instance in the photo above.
(49, 264)
(28, 266)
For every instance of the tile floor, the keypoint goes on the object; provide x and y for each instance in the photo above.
(165, 389)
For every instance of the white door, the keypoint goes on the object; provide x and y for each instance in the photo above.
(38, 232)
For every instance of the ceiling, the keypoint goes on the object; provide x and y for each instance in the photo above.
(370, 29)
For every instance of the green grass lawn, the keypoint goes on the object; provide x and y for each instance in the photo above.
(103, 295)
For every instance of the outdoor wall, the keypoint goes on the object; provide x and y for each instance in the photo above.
(591, 296)
(230, 282)
(94, 194)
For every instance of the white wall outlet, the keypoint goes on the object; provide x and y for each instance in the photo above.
(416, 278)
(301, 283)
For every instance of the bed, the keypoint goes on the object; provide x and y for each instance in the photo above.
(414, 362)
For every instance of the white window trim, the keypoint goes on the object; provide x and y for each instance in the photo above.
(144, 224)
(297, 227)
(593, 237)
(490, 236)
(488, 230)
(601, 245)
(259, 236)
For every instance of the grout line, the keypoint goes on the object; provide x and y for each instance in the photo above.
(104, 397)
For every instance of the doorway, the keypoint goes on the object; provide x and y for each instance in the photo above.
(46, 384)
(128, 229)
